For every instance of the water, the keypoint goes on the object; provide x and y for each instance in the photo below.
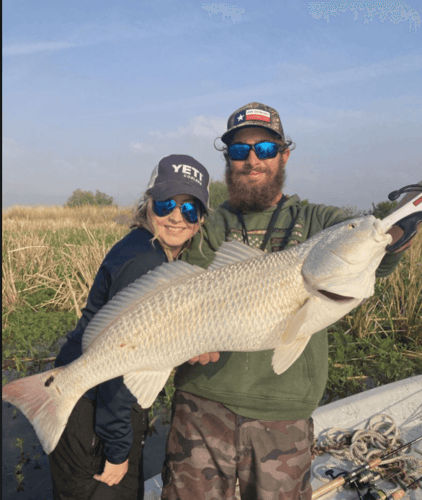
(35, 468)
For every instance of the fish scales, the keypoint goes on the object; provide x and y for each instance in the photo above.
(179, 327)
(246, 301)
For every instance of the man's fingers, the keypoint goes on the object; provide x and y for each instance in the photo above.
(205, 358)
(194, 360)
(209, 356)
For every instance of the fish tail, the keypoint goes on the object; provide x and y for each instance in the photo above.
(38, 397)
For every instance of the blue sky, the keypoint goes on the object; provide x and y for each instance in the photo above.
(95, 93)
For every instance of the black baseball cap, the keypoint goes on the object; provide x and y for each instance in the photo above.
(179, 174)
(253, 114)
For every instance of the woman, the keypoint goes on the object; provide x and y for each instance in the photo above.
(99, 455)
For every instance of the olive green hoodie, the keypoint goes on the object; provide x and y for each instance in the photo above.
(245, 382)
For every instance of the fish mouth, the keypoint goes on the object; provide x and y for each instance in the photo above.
(330, 295)
(340, 257)
(335, 296)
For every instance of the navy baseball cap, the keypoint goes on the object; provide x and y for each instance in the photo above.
(179, 174)
(253, 114)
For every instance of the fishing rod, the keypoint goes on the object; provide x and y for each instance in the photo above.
(396, 495)
(353, 477)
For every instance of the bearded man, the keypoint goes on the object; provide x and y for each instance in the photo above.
(234, 418)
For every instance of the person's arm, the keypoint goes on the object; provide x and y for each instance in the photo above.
(114, 401)
(113, 425)
(98, 296)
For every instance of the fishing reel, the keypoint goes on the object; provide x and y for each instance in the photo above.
(361, 481)
(407, 224)
(373, 494)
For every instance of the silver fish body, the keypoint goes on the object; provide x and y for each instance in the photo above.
(246, 300)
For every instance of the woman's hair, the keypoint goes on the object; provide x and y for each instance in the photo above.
(142, 219)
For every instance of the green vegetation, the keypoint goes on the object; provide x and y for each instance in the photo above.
(80, 197)
(383, 208)
(23, 460)
(218, 193)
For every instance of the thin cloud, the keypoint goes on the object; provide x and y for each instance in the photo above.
(86, 35)
(311, 79)
(94, 34)
(307, 77)
(199, 126)
(11, 149)
(32, 48)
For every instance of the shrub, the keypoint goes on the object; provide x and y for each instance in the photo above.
(383, 208)
(80, 197)
(218, 193)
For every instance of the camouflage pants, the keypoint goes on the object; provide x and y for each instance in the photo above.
(209, 447)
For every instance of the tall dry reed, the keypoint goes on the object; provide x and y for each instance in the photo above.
(34, 260)
(396, 306)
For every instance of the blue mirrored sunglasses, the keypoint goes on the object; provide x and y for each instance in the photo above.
(263, 150)
(189, 209)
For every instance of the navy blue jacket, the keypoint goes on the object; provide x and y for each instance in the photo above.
(129, 259)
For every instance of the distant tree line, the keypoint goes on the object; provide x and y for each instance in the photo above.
(218, 194)
(80, 197)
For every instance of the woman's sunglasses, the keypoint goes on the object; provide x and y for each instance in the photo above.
(189, 209)
(263, 150)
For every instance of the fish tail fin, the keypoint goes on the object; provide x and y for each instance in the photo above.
(40, 400)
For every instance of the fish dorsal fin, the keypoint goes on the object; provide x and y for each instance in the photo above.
(233, 252)
(160, 278)
(146, 385)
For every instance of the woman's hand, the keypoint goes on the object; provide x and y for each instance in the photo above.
(113, 473)
(205, 358)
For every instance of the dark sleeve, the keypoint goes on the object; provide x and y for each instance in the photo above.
(129, 259)
(112, 419)
(114, 400)
(98, 296)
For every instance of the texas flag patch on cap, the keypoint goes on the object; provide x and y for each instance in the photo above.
(252, 114)
(258, 114)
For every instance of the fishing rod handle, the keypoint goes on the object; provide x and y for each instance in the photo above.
(326, 488)
(397, 495)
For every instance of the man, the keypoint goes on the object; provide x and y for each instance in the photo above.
(235, 418)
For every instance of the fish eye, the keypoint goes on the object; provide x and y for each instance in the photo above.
(351, 225)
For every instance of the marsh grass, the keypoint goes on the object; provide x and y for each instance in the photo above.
(396, 306)
(51, 256)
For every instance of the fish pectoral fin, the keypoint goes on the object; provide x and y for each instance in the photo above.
(292, 342)
(286, 354)
(146, 385)
(299, 319)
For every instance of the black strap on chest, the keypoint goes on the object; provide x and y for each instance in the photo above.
(270, 225)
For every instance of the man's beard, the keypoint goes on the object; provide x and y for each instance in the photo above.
(250, 197)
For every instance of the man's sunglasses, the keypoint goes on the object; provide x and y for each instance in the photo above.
(189, 209)
(263, 150)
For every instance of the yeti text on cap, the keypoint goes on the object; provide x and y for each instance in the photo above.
(187, 172)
